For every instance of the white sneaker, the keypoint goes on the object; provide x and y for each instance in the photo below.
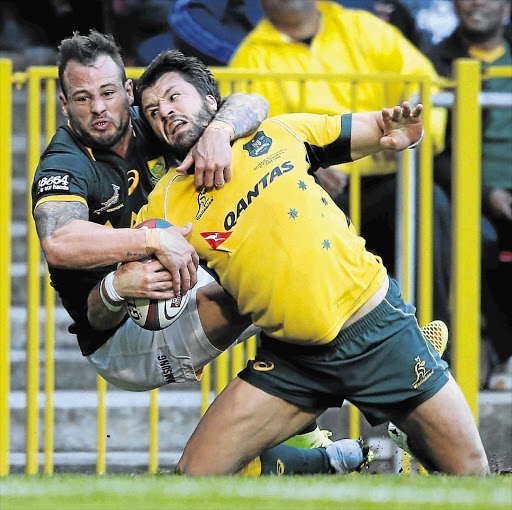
(349, 455)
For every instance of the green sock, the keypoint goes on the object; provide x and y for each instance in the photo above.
(287, 460)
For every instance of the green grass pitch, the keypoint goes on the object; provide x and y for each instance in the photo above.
(352, 492)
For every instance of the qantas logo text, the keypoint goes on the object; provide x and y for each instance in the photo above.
(232, 216)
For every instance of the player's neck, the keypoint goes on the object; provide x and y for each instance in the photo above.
(121, 147)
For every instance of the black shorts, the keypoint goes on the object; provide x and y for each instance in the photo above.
(382, 364)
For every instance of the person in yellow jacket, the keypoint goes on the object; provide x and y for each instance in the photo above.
(334, 325)
(307, 37)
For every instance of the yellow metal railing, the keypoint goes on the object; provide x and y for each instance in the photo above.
(466, 231)
(5, 259)
(465, 260)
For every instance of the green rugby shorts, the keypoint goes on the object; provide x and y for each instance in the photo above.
(382, 364)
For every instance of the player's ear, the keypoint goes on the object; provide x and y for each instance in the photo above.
(63, 104)
(128, 86)
(212, 102)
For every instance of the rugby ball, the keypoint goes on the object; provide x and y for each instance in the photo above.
(155, 314)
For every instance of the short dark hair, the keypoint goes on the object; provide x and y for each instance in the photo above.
(191, 69)
(85, 49)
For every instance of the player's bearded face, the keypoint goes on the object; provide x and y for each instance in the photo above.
(97, 102)
(177, 112)
(103, 131)
(182, 141)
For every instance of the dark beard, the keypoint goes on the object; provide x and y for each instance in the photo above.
(477, 36)
(185, 141)
(97, 142)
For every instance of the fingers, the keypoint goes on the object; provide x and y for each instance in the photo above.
(184, 231)
(185, 164)
(402, 111)
(212, 176)
(183, 279)
(179, 257)
(212, 159)
(418, 109)
(408, 112)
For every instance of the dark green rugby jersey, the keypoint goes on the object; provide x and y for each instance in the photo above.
(113, 188)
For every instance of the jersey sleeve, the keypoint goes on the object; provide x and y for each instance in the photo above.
(61, 176)
(326, 137)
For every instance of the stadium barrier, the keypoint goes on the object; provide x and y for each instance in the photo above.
(415, 255)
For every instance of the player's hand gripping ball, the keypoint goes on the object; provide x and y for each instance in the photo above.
(155, 314)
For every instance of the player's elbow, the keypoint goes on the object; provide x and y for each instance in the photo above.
(56, 253)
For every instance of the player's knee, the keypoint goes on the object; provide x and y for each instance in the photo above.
(475, 462)
(469, 461)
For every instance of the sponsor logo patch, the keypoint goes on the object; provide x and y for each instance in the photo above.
(157, 169)
(263, 366)
(258, 145)
(165, 367)
(231, 218)
(171, 303)
(215, 239)
(111, 201)
(53, 183)
(133, 180)
(422, 374)
(203, 202)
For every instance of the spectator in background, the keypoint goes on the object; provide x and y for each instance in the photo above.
(212, 29)
(392, 11)
(306, 36)
(480, 34)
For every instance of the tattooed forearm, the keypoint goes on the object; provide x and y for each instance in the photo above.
(50, 216)
(245, 112)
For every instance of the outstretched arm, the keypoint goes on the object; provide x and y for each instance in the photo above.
(395, 128)
(239, 115)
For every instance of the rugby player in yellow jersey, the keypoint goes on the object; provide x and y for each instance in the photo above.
(334, 326)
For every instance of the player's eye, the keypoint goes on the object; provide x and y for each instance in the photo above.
(172, 97)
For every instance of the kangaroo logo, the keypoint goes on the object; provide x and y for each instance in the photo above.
(421, 372)
(203, 202)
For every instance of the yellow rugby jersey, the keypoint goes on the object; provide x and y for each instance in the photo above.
(277, 242)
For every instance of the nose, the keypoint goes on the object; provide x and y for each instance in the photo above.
(98, 105)
(165, 108)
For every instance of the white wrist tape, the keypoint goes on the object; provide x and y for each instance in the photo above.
(417, 142)
(109, 295)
